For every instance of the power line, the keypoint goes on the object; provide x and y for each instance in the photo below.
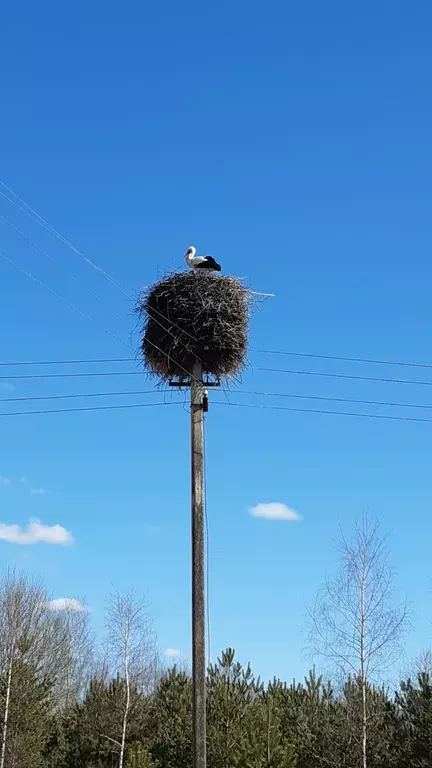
(156, 311)
(84, 287)
(39, 220)
(92, 293)
(262, 351)
(325, 413)
(87, 374)
(72, 375)
(65, 301)
(64, 269)
(335, 399)
(42, 222)
(344, 376)
(219, 402)
(71, 362)
(77, 395)
(73, 306)
(126, 393)
(89, 408)
(402, 363)
(131, 373)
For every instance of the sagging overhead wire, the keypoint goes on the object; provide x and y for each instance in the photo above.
(273, 370)
(77, 309)
(41, 221)
(396, 363)
(65, 301)
(89, 408)
(99, 269)
(29, 211)
(78, 395)
(129, 393)
(77, 375)
(63, 269)
(36, 217)
(70, 362)
(343, 376)
(222, 403)
(322, 412)
(258, 351)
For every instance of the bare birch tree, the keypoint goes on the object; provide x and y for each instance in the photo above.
(354, 624)
(131, 644)
(37, 644)
(23, 635)
(75, 651)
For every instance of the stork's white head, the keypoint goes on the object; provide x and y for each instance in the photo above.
(189, 256)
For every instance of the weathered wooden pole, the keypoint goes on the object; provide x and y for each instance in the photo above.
(198, 570)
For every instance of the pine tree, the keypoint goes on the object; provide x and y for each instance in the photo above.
(28, 717)
(170, 725)
(231, 691)
(264, 745)
(138, 757)
(414, 703)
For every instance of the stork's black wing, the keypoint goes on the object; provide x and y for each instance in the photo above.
(210, 264)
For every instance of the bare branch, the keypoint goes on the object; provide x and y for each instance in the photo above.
(353, 624)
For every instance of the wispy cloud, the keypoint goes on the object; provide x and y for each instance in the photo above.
(34, 533)
(275, 510)
(33, 490)
(172, 653)
(4, 480)
(8, 386)
(67, 604)
(154, 528)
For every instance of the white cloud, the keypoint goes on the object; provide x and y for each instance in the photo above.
(67, 604)
(34, 533)
(172, 653)
(275, 510)
(4, 480)
(38, 491)
(8, 386)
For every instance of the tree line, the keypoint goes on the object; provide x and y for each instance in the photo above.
(64, 704)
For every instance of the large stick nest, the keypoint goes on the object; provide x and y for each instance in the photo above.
(192, 317)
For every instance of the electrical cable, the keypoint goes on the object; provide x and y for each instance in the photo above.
(95, 266)
(88, 317)
(77, 395)
(267, 351)
(402, 363)
(89, 408)
(352, 401)
(322, 412)
(63, 269)
(71, 362)
(72, 375)
(65, 301)
(344, 376)
(39, 220)
(335, 399)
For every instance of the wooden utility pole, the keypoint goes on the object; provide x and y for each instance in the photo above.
(198, 570)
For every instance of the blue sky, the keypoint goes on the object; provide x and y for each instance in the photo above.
(291, 141)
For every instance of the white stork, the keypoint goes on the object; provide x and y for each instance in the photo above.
(201, 262)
